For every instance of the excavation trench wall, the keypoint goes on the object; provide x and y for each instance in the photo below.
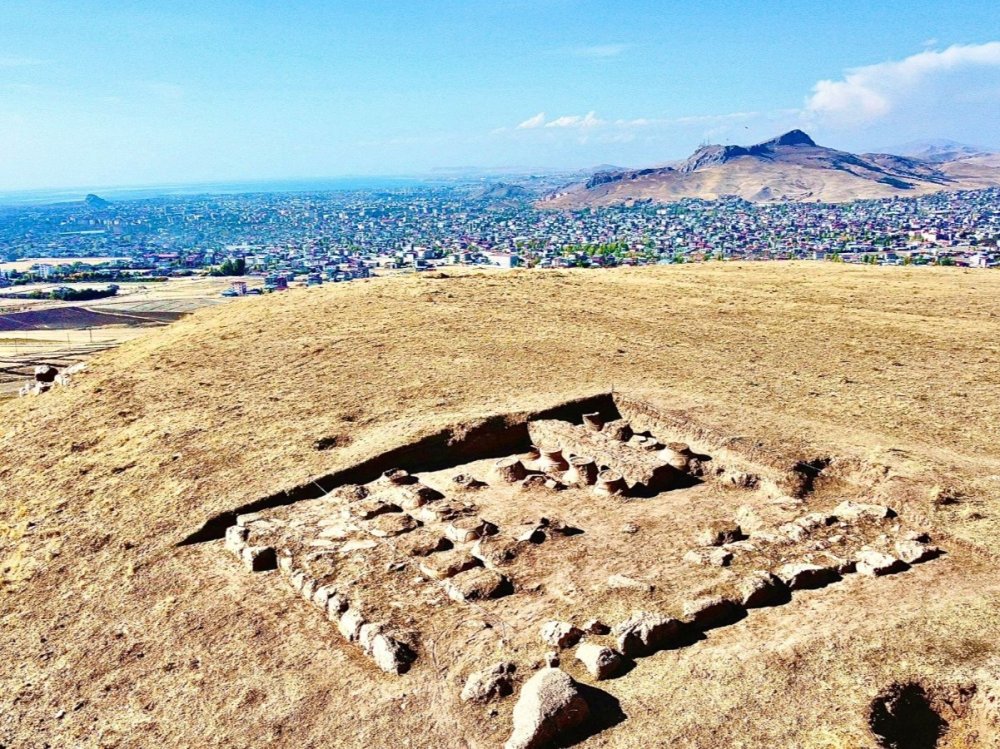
(491, 437)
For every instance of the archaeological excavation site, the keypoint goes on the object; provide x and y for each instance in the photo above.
(690, 507)
(534, 557)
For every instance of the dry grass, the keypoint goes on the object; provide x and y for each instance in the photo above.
(141, 643)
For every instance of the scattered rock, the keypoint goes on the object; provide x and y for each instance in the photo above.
(712, 611)
(841, 565)
(602, 662)
(761, 588)
(447, 564)
(714, 557)
(644, 633)
(489, 684)
(875, 563)
(498, 551)
(849, 510)
(366, 509)
(421, 543)
(630, 528)
(596, 627)
(560, 634)
(477, 584)
(718, 533)
(463, 530)
(552, 659)
(806, 576)
(914, 551)
(550, 703)
(391, 524)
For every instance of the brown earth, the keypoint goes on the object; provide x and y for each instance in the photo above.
(117, 636)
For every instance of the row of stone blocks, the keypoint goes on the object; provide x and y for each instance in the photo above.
(390, 652)
(629, 461)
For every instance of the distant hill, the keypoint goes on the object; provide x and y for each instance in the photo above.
(938, 150)
(501, 191)
(789, 167)
(95, 201)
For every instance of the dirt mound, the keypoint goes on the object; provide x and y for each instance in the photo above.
(795, 387)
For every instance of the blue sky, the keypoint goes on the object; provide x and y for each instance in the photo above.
(124, 93)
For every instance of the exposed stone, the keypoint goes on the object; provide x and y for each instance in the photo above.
(322, 595)
(391, 655)
(619, 582)
(236, 538)
(805, 576)
(644, 633)
(498, 551)
(350, 624)
(712, 611)
(422, 542)
(601, 661)
(447, 564)
(748, 520)
(308, 588)
(395, 476)
(392, 524)
(412, 496)
(718, 532)
(914, 551)
(489, 684)
(761, 588)
(366, 509)
(636, 466)
(478, 584)
(45, 373)
(842, 565)
(875, 563)
(463, 530)
(712, 557)
(367, 633)
(336, 605)
(552, 659)
(550, 704)
(347, 493)
(618, 429)
(849, 510)
(508, 471)
(629, 528)
(596, 627)
(248, 518)
(792, 532)
(560, 634)
(815, 520)
(259, 558)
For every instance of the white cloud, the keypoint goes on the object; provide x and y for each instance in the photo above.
(871, 92)
(586, 121)
(600, 51)
(532, 122)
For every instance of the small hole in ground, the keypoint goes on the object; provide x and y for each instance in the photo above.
(903, 717)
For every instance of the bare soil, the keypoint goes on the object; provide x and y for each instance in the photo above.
(888, 378)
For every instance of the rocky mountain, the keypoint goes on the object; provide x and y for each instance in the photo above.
(938, 150)
(501, 191)
(789, 167)
(96, 201)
